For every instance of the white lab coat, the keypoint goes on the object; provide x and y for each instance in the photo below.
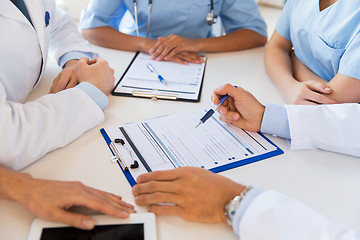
(275, 216)
(330, 127)
(30, 130)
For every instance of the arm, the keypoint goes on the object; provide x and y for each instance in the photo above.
(199, 195)
(29, 128)
(309, 125)
(278, 66)
(51, 199)
(345, 89)
(109, 37)
(65, 37)
(275, 216)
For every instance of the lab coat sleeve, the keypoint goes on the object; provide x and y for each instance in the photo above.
(30, 130)
(65, 37)
(275, 216)
(330, 127)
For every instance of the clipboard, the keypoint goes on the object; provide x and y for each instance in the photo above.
(147, 146)
(183, 82)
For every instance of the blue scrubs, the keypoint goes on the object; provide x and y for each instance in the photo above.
(186, 18)
(327, 41)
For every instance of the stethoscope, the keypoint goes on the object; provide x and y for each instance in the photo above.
(211, 18)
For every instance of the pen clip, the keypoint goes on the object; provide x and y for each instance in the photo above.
(118, 157)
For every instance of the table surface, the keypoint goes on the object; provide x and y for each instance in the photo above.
(325, 181)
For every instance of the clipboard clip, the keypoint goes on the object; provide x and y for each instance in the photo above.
(155, 96)
(118, 158)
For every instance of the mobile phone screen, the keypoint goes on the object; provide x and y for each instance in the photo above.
(100, 232)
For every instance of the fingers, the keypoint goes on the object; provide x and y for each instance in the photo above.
(166, 210)
(188, 57)
(227, 89)
(157, 198)
(319, 87)
(104, 202)
(66, 79)
(72, 219)
(155, 186)
(230, 117)
(169, 175)
(317, 98)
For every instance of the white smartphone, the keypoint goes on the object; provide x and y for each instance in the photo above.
(139, 226)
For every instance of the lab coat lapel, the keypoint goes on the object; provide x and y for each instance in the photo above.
(37, 15)
(9, 10)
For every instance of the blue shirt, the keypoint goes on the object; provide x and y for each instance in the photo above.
(327, 41)
(186, 18)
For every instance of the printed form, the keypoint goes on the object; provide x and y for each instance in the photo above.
(173, 141)
(184, 81)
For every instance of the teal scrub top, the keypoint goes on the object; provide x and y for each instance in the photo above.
(326, 41)
(186, 18)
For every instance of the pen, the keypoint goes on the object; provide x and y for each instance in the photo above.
(152, 69)
(212, 110)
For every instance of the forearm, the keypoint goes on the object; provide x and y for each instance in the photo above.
(10, 182)
(275, 216)
(344, 89)
(278, 66)
(238, 40)
(301, 72)
(112, 38)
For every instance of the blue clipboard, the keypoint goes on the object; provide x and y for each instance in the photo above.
(222, 168)
(127, 173)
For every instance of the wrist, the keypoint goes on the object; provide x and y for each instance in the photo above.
(71, 62)
(235, 190)
(11, 184)
(146, 44)
(233, 205)
(199, 45)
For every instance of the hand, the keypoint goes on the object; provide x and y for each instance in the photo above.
(186, 57)
(96, 72)
(241, 109)
(50, 200)
(167, 47)
(67, 78)
(309, 93)
(194, 194)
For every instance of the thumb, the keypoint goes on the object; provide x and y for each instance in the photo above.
(319, 87)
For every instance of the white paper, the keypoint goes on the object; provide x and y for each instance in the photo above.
(183, 81)
(173, 141)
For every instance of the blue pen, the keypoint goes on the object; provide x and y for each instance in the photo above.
(212, 110)
(152, 69)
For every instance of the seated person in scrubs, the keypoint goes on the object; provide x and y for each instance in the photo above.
(325, 38)
(199, 195)
(177, 30)
(50, 200)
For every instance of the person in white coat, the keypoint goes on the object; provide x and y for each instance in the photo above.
(31, 129)
(199, 195)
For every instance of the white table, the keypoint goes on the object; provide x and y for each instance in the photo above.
(325, 181)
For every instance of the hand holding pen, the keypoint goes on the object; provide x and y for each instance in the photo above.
(212, 110)
(241, 109)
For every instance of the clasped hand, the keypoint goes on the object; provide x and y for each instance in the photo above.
(96, 72)
(177, 49)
